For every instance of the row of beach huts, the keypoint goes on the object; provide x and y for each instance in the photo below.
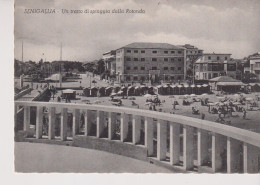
(180, 89)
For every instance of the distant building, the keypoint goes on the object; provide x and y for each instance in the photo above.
(110, 61)
(192, 54)
(150, 62)
(212, 65)
(253, 65)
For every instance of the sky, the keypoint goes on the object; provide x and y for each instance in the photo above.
(220, 26)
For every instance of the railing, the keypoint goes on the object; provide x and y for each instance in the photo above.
(183, 142)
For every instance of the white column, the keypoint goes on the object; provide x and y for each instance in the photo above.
(218, 148)
(39, 117)
(174, 143)
(188, 147)
(88, 122)
(233, 157)
(26, 120)
(250, 158)
(148, 124)
(202, 147)
(64, 121)
(161, 139)
(51, 128)
(75, 124)
(123, 127)
(111, 125)
(136, 123)
(100, 123)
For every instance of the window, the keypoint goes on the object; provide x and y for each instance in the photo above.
(225, 58)
(217, 57)
(179, 52)
(172, 51)
(135, 78)
(135, 68)
(128, 51)
(128, 78)
(179, 77)
(154, 68)
(190, 51)
(142, 51)
(135, 51)
(209, 57)
(172, 77)
(128, 59)
(165, 68)
(179, 59)
(179, 68)
(154, 59)
(199, 51)
(142, 59)
(142, 68)
(172, 59)
(165, 59)
(154, 51)
(135, 59)
(172, 68)
(166, 52)
(128, 68)
(142, 78)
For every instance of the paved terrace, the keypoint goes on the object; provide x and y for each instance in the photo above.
(40, 158)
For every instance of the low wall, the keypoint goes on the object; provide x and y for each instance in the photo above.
(116, 147)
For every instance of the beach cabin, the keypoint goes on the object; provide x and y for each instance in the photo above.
(187, 89)
(174, 90)
(108, 91)
(102, 91)
(159, 89)
(131, 91)
(69, 94)
(150, 90)
(93, 92)
(124, 90)
(86, 91)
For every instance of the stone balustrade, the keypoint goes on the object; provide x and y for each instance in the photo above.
(174, 140)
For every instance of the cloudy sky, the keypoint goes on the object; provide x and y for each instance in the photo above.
(226, 26)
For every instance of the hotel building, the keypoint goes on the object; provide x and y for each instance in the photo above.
(150, 62)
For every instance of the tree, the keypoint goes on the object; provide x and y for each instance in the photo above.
(100, 66)
(249, 77)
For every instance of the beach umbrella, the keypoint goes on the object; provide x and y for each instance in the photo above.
(147, 95)
(204, 94)
(120, 92)
(193, 95)
(113, 94)
(236, 103)
(148, 103)
(186, 95)
(249, 99)
(220, 97)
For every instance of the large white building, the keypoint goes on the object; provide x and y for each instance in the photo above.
(150, 62)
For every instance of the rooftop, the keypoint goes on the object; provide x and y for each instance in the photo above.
(224, 79)
(216, 53)
(150, 45)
